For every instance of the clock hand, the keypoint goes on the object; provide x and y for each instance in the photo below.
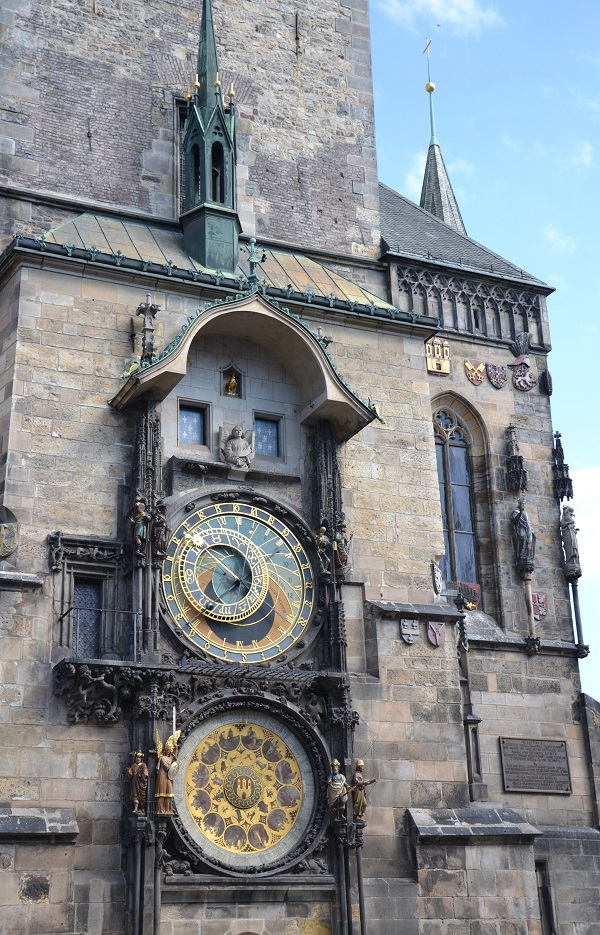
(223, 565)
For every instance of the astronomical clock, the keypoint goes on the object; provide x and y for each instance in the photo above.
(239, 583)
(241, 590)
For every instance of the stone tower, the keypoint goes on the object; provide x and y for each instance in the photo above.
(286, 636)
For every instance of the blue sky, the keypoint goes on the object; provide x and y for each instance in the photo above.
(517, 106)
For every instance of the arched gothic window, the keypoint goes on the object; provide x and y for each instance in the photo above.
(196, 194)
(218, 174)
(456, 497)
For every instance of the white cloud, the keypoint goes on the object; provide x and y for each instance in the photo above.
(511, 144)
(462, 16)
(561, 242)
(461, 167)
(583, 155)
(413, 180)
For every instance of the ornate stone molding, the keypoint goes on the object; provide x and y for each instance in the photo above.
(469, 303)
(98, 692)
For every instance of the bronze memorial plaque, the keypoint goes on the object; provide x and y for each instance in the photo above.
(535, 765)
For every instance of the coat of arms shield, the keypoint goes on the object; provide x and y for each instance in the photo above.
(475, 371)
(540, 605)
(409, 631)
(497, 375)
(436, 632)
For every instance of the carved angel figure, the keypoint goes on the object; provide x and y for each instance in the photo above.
(237, 448)
(166, 768)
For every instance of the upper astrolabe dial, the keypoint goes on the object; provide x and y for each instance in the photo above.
(238, 582)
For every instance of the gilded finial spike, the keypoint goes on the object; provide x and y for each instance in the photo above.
(430, 88)
(231, 92)
(197, 83)
(217, 82)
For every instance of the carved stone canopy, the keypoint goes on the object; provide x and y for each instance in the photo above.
(323, 393)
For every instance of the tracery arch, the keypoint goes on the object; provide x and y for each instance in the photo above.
(464, 474)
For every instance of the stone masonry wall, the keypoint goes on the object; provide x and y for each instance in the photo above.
(478, 890)
(89, 109)
(266, 911)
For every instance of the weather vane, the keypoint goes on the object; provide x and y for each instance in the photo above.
(430, 88)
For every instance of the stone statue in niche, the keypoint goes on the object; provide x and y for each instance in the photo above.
(139, 520)
(341, 547)
(166, 769)
(359, 796)
(237, 447)
(137, 773)
(524, 539)
(337, 791)
(232, 384)
(568, 532)
(9, 535)
(160, 531)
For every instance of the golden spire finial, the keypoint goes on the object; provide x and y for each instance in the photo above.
(188, 96)
(217, 82)
(231, 92)
(196, 83)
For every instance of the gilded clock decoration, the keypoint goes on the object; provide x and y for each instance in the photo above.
(243, 788)
(238, 582)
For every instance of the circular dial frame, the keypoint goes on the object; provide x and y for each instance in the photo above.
(247, 795)
(238, 582)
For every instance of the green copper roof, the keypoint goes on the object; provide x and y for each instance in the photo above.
(294, 273)
(208, 63)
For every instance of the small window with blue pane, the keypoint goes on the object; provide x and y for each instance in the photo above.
(192, 424)
(267, 440)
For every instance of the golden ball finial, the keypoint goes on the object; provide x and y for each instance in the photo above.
(231, 92)
(217, 83)
(430, 87)
(196, 83)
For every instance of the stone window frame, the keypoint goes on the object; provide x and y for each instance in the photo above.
(89, 558)
(280, 421)
(477, 437)
(205, 407)
(546, 898)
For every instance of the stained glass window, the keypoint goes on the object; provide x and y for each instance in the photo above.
(87, 618)
(192, 422)
(456, 498)
(266, 437)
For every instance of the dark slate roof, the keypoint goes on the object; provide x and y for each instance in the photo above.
(437, 194)
(412, 232)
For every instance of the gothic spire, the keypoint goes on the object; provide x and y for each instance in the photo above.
(208, 63)
(437, 194)
(209, 219)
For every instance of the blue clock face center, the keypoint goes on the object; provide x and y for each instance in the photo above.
(232, 577)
